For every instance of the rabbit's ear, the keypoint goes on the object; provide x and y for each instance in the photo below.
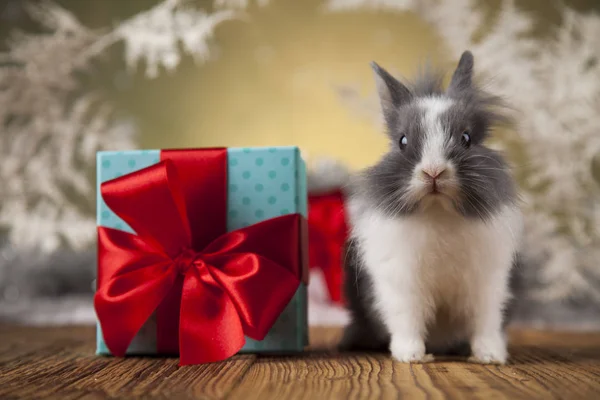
(392, 93)
(462, 78)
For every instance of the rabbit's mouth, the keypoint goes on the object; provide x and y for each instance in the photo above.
(432, 187)
(439, 187)
(436, 192)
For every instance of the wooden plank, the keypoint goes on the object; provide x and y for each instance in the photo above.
(543, 365)
(60, 363)
(377, 376)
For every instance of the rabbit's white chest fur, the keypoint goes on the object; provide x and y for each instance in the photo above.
(436, 274)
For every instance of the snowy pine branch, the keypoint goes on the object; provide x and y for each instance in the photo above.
(155, 36)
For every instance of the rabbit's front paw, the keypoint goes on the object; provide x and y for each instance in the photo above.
(489, 350)
(409, 350)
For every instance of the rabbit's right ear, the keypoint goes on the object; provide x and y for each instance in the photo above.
(392, 93)
(462, 79)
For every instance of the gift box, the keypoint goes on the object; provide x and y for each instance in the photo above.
(238, 280)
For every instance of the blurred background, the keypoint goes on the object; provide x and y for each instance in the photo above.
(77, 76)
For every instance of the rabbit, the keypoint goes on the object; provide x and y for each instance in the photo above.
(435, 226)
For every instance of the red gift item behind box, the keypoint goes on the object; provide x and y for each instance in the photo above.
(328, 231)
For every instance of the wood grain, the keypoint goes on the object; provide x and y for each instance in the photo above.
(60, 363)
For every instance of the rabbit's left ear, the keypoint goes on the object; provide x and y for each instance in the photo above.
(463, 76)
(392, 93)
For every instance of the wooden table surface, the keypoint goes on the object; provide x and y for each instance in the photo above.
(60, 363)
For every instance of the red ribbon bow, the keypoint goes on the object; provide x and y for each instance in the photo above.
(209, 288)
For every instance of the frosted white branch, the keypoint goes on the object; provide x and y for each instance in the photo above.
(50, 131)
(155, 35)
(239, 4)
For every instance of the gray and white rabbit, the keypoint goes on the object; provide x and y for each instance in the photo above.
(435, 226)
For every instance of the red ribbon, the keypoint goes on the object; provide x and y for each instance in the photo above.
(209, 288)
(328, 231)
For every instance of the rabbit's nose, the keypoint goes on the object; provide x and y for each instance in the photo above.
(433, 173)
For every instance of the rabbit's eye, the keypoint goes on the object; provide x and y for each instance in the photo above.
(465, 139)
(403, 142)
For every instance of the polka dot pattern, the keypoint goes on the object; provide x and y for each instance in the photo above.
(275, 185)
(115, 164)
(262, 183)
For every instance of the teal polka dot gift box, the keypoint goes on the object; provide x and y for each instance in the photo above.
(259, 191)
